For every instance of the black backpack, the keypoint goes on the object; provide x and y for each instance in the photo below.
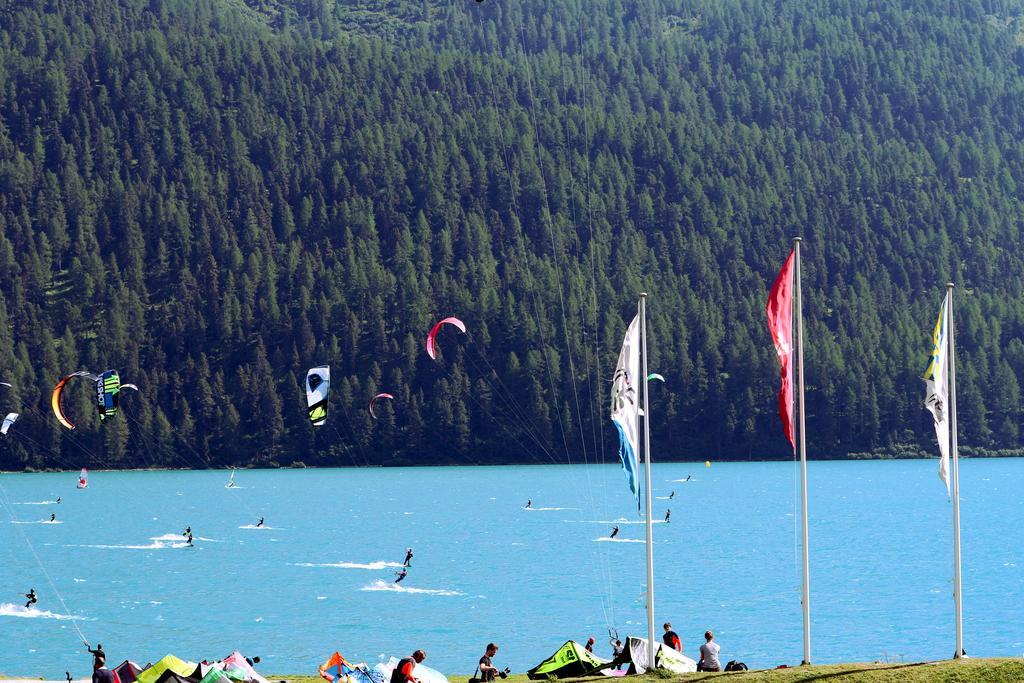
(735, 666)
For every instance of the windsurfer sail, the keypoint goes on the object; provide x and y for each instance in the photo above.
(83, 479)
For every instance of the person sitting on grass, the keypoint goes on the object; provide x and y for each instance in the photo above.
(709, 654)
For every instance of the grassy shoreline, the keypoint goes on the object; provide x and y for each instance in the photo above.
(987, 670)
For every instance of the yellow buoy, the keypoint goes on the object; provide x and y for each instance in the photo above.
(707, 463)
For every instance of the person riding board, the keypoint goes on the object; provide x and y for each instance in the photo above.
(187, 531)
(53, 517)
(672, 495)
(529, 503)
(259, 523)
(31, 595)
(188, 539)
(404, 668)
(401, 575)
(615, 532)
(668, 514)
(58, 500)
(408, 557)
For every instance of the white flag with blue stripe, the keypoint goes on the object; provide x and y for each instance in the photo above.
(626, 404)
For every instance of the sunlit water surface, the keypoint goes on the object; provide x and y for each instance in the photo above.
(320, 576)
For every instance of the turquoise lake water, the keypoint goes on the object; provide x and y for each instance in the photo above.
(486, 570)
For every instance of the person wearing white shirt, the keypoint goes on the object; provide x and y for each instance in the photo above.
(709, 654)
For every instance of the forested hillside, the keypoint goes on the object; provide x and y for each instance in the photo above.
(212, 196)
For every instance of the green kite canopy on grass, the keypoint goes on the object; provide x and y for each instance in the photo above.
(169, 662)
(572, 659)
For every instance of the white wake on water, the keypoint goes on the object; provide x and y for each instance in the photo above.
(181, 538)
(546, 509)
(609, 539)
(379, 564)
(9, 610)
(38, 502)
(151, 546)
(260, 528)
(379, 585)
(613, 522)
(38, 521)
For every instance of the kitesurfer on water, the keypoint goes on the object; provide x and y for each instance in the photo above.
(58, 500)
(53, 517)
(259, 523)
(672, 495)
(668, 513)
(401, 575)
(187, 531)
(31, 595)
(188, 539)
(403, 670)
(615, 532)
(529, 503)
(408, 557)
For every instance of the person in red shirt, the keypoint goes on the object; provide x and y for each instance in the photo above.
(403, 672)
(671, 638)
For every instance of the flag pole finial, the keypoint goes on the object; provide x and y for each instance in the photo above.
(797, 239)
(950, 285)
(643, 295)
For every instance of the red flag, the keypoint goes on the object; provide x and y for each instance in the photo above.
(780, 322)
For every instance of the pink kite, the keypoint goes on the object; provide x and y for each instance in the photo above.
(374, 399)
(434, 330)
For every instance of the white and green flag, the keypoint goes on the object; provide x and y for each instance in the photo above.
(936, 380)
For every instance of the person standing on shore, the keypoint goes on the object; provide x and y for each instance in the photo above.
(589, 647)
(99, 657)
(404, 668)
(709, 654)
(671, 638)
(488, 672)
(616, 651)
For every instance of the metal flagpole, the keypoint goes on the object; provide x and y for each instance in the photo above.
(806, 599)
(957, 588)
(647, 476)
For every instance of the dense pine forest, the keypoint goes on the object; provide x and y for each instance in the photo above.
(212, 196)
